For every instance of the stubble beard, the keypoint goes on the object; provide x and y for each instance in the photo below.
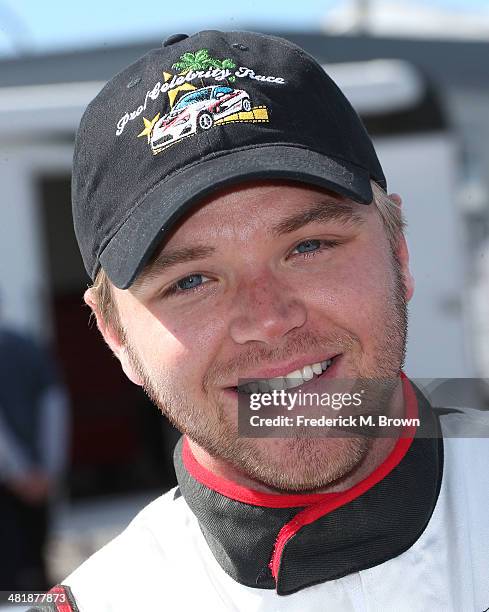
(297, 464)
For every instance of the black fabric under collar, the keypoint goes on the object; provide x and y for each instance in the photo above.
(377, 526)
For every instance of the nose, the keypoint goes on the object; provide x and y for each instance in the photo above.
(264, 310)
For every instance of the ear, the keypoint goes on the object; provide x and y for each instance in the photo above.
(396, 198)
(113, 340)
(403, 255)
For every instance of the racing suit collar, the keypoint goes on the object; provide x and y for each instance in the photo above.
(290, 542)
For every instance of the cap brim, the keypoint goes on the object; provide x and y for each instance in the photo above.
(135, 241)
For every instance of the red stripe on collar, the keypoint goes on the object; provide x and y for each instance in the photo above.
(315, 511)
(325, 501)
(58, 599)
(230, 489)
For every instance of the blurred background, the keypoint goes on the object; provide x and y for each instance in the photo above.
(417, 72)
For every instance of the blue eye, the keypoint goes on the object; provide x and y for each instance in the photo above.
(310, 245)
(189, 282)
(186, 285)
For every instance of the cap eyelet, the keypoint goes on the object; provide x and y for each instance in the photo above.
(133, 82)
(174, 38)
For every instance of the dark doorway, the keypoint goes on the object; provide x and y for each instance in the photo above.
(120, 441)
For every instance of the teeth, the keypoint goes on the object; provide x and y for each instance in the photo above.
(289, 381)
(316, 368)
(277, 384)
(294, 379)
(296, 382)
(294, 374)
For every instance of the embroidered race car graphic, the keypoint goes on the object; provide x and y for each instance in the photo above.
(199, 109)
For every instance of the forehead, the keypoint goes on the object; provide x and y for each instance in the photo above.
(248, 218)
(255, 206)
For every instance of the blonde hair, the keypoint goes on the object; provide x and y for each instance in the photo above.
(389, 211)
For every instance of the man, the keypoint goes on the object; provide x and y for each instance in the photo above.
(233, 215)
(33, 453)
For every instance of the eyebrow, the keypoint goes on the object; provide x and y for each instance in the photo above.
(167, 259)
(323, 211)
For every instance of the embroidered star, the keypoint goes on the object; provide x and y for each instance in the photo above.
(172, 94)
(148, 126)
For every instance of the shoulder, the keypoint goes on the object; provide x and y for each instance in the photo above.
(466, 455)
(144, 554)
(13, 340)
(28, 352)
(464, 423)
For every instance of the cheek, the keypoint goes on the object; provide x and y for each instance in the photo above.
(191, 334)
(157, 345)
(182, 343)
(355, 291)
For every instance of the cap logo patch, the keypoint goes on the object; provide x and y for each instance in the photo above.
(196, 106)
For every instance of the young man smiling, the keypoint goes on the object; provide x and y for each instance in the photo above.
(261, 280)
(259, 247)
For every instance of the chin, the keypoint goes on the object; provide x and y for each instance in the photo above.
(300, 464)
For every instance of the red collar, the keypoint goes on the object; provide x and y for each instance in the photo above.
(230, 489)
(289, 542)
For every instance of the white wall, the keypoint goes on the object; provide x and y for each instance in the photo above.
(23, 271)
(423, 170)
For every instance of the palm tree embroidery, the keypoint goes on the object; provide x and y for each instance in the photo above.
(201, 60)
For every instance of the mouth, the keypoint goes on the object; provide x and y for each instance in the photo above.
(291, 380)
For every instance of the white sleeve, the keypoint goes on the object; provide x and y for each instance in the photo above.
(54, 430)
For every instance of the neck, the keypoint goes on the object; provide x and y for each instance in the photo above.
(378, 451)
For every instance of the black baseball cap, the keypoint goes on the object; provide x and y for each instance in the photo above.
(198, 114)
